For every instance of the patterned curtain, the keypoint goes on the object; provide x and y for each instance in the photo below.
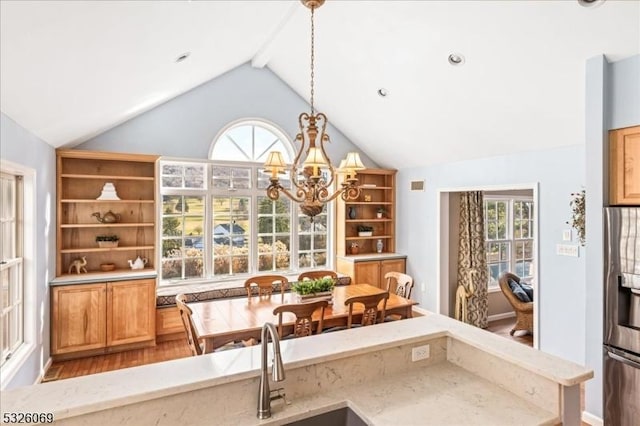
(472, 261)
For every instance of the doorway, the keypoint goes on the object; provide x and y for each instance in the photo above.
(503, 196)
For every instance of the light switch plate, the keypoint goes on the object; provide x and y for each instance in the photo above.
(566, 235)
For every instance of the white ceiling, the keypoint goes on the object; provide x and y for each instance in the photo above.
(72, 69)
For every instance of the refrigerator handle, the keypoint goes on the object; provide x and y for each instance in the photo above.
(624, 360)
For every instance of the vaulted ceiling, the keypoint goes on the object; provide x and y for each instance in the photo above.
(72, 69)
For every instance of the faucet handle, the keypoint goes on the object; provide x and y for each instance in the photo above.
(279, 394)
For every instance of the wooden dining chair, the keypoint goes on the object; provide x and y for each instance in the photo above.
(303, 312)
(314, 275)
(371, 312)
(187, 321)
(402, 284)
(265, 284)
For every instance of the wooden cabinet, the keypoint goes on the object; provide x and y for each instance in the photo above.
(102, 317)
(131, 312)
(84, 179)
(370, 271)
(79, 318)
(374, 208)
(624, 171)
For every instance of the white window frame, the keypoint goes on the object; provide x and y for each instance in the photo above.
(28, 206)
(209, 193)
(510, 236)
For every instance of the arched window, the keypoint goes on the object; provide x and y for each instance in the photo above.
(250, 141)
(218, 221)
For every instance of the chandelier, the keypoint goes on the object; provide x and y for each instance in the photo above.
(312, 179)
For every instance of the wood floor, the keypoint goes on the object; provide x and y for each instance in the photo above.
(503, 327)
(163, 351)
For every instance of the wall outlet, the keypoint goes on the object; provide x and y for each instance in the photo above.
(567, 250)
(419, 352)
(423, 287)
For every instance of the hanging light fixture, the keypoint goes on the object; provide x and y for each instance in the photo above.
(312, 178)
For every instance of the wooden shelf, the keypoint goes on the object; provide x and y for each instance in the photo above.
(106, 177)
(86, 200)
(80, 178)
(369, 203)
(100, 249)
(106, 225)
(374, 237)
(384, 219)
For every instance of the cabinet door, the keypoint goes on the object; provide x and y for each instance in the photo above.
(391, 265)
(78, 318)
(625, 166)
(131, 311)
(367, 273)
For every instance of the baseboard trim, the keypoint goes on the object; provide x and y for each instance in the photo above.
(497, 317)
(43, 371)
(591, 419)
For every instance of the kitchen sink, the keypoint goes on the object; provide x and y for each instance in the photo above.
(344, 416)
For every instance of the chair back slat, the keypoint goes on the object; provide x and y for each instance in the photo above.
(187, 322)
(314, 275)
(372, 314)
(403, 283)
(304, 317)
(265, 284)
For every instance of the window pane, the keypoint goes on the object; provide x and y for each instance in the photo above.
(182, 175)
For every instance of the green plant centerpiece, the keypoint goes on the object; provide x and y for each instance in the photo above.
(320, 288)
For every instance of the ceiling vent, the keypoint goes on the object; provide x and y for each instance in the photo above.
(417, 185)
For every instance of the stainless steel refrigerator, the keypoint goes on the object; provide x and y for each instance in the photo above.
(622, 317)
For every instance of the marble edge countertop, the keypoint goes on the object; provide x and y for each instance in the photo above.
(81, 395)
(97, 277)
(371, 256)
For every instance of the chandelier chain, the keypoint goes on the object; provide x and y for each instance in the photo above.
(312, 56)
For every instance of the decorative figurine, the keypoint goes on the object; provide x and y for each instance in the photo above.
(109, 217)
(79, 265)
(138, 264)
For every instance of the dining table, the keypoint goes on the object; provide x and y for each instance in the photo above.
(221, 321)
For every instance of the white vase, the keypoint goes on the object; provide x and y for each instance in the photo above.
(379, 246)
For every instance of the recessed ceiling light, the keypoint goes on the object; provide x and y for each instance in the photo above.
(183, 57)
(382, 92)
(456, 59)
(590, 3)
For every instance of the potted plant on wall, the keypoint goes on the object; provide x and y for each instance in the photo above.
(107, 241)
(365, 231)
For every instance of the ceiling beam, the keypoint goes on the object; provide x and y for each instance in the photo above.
(262, 56)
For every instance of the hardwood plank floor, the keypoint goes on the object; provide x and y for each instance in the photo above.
(503, 327)
(164, 351)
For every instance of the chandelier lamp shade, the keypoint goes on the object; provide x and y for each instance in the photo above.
(312, 175)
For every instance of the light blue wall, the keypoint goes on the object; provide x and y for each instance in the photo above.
(612, 101)
(21, 147)
(186, 125)
(558, 172)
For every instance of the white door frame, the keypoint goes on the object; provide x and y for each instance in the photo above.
(442, 272)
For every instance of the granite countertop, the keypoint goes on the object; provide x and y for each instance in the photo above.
(89, 394)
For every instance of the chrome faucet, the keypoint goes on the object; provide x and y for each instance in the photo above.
(264, 394)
